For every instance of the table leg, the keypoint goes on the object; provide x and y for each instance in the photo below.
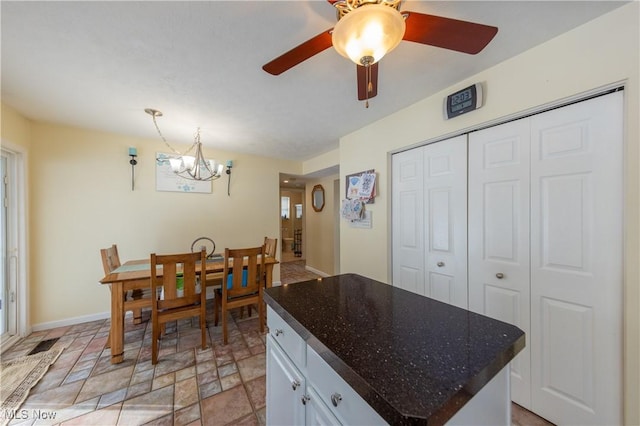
(117, 323)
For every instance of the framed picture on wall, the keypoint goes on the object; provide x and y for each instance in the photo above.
(361, 186)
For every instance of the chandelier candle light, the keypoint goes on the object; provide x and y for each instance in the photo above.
(188, 166)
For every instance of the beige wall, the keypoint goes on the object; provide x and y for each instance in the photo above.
(14, 127)
(319, 228)
(81, 200)
(597, 54)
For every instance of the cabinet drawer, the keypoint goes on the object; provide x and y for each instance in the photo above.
(290, 341)
(350, 409)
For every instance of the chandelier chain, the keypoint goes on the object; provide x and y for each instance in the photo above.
(167, 143)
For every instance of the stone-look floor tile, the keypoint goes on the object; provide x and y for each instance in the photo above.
(138, 389)
(210, 389)
(207, 377)
(103, 416)
(142, 376)
(186, 415)
(227, 382)
(262, 415)
(162, 381)
(105, 383)
(162, 421)
(171, 362)
(257, 390)
(55, 398)
(185, 373)
(112, 398)
(186, 393)
(147, 407)
(228, 369)
(250, 420)
(226, 407)
(253, 367)
(69, 412)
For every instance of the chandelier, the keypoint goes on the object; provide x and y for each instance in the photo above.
(188, 166)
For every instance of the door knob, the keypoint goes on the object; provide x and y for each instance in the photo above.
(499, 275)
(279, 332)
(295, 384)
(440, 264)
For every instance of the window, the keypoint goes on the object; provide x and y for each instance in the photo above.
(284, 207)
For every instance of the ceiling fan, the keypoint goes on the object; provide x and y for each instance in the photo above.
(368, 29)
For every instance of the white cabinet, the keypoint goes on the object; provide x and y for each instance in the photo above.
(303, 389)
(429, 220)
(286, 388)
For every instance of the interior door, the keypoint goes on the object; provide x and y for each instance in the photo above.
(445, 211)
(499, 236)
(576, 262)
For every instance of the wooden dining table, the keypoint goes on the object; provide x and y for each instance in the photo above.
(136, 275)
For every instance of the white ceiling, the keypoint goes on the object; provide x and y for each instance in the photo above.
(97, 65)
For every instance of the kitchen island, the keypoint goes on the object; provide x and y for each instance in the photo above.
(347, 349)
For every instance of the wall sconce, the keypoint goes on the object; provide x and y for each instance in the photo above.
(133, 153)
(229, 166)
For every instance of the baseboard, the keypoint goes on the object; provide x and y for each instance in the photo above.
(276, 284)
(70, 321)
(316, 271)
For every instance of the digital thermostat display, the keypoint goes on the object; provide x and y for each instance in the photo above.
(462, 101)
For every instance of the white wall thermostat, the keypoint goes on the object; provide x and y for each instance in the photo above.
(463, 101)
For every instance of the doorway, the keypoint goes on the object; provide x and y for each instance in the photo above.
(12, 267)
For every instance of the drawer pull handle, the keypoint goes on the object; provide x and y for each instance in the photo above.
(279, 331)
(499, 275)
(440, 264)
(295, 384)
(305, 399)
(335, 399)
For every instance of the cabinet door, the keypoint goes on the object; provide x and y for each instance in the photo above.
(408, 220)
(576, 262)
(499, 235)
(317, 413)
(285, 388)
(445, 213)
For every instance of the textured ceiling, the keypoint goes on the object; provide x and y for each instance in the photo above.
(97, 65)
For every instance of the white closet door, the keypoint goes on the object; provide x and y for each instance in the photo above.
(445, 195)
(408, 220)
(499, 235)
(576, 262)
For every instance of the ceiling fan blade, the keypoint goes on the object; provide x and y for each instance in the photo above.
(452, 34)
(363, 82)
(299, 53)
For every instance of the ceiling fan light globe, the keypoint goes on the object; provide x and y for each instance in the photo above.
(370, 30)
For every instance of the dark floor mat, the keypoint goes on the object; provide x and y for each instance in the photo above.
(45, 345)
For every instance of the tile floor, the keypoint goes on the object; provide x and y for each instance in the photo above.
(220, 385)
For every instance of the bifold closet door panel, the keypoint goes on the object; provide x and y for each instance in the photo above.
(576, 262)
(408, 220)
(429, 220)
(445, 195)
(499, 235)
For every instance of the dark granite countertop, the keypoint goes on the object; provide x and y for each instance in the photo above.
(413, 359)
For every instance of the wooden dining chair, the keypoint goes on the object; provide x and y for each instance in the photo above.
(176, 303)
(135, 300)
(243, 284)
(270, 246)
